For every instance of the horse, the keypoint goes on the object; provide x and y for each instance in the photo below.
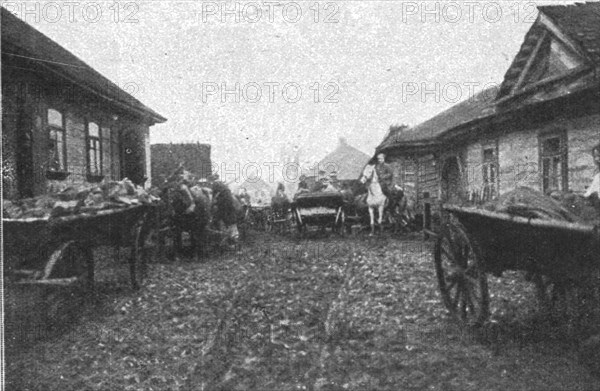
(180, 220)
(280, 208)
(400, 209)
(375, 197)
(228, 211)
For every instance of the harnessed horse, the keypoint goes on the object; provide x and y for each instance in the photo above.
(181, 220)
(375, 197)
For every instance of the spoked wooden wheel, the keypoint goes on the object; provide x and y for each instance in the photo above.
(71, 260)
(547, 292)
(70, 268)
(462, 283)
(138, 267)
(341, 223)
(269, 223)
(300, 225)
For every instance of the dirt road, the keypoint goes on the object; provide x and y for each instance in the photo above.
(325, 313)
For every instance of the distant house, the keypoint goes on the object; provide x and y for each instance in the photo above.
(345, 164)
(167, 157)
(260, 191)
(536, 130)
(62, 121)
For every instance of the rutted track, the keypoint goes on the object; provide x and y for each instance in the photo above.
(352, 313)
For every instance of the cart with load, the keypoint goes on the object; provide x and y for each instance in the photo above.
(59, 250)
(322, 209)
(474, 242)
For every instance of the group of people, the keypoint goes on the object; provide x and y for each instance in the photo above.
(215, 194)
(221, 193)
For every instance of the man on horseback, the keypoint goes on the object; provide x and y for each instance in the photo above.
(385, 173)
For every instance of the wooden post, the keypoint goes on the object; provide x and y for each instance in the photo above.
(426, 220)
(426, 216)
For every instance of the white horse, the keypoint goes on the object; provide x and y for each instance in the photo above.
(375, 198)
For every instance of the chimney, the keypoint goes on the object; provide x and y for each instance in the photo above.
(343, 141)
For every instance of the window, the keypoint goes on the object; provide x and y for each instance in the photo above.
(57, 159)
(553, 162)
(490, 171)
(94, 150)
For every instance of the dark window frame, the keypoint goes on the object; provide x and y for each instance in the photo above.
(490, 167)
(546, 157)
(52, 172)
(91, 175)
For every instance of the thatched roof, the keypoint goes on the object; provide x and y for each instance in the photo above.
(478, 106)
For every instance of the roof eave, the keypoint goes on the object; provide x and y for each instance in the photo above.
(409, 145)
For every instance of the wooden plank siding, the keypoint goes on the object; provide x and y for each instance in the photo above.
(418, 174)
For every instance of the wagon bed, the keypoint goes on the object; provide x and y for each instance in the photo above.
(476, 241)
(58, 250)
(319, 208)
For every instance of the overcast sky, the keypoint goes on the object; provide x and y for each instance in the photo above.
(359, 66)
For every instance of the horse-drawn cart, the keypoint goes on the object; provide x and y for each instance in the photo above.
(59, 250)
(319, 208)
(555, 254)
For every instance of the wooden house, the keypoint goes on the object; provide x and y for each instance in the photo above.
(62, 121)
(537, 129)
(416, 154)
(344, 164)
(195, 157)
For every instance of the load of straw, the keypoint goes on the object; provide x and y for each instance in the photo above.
(530, 203)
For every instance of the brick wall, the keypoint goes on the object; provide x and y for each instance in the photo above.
(167, 157)
(26, 98)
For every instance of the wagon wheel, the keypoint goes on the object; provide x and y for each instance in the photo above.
(149, 243)
(462, 282)
(70, 260)
(269, 223)
(300, 225)
(555, 294)
(137, 262)
(546, 292)
(341, 224)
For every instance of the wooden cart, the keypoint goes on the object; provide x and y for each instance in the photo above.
(475, 242)
(321, 209)
(59, 250)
